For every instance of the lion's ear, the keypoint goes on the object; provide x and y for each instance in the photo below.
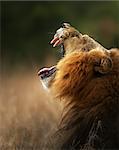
(104, 65)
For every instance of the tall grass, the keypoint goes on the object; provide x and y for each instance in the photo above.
(27, 113)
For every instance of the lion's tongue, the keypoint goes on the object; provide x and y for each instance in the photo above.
(55, 41)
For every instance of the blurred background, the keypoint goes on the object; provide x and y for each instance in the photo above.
(28, 27)
(27, 113)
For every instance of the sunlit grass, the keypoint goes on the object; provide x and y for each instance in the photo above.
(27, 113)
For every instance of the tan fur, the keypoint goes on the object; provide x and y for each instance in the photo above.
(87, 81)
(73, 40)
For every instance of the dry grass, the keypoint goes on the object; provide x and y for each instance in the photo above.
(27, 113)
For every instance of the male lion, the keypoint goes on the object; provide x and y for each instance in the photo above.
(86, 80)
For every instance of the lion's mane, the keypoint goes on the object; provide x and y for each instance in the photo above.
(91, 99)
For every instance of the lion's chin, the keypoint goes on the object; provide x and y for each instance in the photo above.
(46, 76)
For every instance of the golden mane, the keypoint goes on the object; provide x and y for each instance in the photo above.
(91, 99)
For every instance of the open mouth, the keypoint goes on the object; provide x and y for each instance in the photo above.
(56, 41)
(47, 72)
(58, 37)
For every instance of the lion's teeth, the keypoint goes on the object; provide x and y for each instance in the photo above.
(57, 43)
(54, 40)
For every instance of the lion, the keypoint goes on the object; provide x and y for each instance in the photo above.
(86, 80)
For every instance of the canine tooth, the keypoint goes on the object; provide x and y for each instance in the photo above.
(57, 43)
(54, 40)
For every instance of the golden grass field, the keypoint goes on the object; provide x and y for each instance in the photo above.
(27, 113)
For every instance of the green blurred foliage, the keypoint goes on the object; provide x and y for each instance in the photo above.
(28, 27)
